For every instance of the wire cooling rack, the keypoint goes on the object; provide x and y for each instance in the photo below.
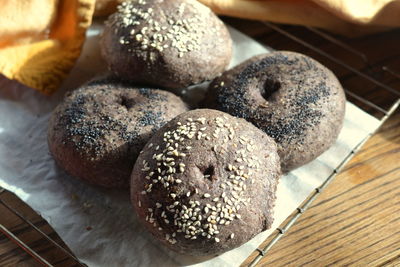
(380, 108)
(364, 87)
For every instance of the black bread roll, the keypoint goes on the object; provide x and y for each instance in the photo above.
(165, 43)
(97, 132)
(291, 97)
(206, 182)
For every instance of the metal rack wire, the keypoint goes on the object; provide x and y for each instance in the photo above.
(377, 111)
(368, 105)
(38, 258)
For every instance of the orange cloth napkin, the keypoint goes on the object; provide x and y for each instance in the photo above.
(350, 17)
(40, 40)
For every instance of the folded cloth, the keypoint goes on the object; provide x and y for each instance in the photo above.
(40, 40)
(350, 17)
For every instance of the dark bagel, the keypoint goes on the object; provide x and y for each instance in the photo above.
(166, 43)
(96, 133)
(206, 182)
(291, 97)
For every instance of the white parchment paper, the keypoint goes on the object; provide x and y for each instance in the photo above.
(72, 207)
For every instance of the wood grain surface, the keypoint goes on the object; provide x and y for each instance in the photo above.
(13, 255)
(355, 221)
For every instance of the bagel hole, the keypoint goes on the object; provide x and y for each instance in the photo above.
(209, 173)
(127, 102)
(269, 88)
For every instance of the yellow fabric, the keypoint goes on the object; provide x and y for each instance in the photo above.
(40, 40)
(351, 17)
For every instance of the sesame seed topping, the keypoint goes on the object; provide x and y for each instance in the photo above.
(181, 32)
(207, 216)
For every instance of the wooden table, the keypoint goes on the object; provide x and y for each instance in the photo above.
(355, 220)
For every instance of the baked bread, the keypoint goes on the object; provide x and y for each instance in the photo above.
(171, 44)
(96, 133)
(291, 97)
(205, 183)
(105, 7)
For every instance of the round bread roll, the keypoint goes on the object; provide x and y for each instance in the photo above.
(171, 44)
(291, 97)
(96, 133)
(205, 183)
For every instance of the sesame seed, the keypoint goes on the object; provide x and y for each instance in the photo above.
(191, 218)
(139, 37)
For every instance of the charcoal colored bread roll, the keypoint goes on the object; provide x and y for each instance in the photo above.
(206, 182)
(290, 96)
(171, 44)
(97, 132)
